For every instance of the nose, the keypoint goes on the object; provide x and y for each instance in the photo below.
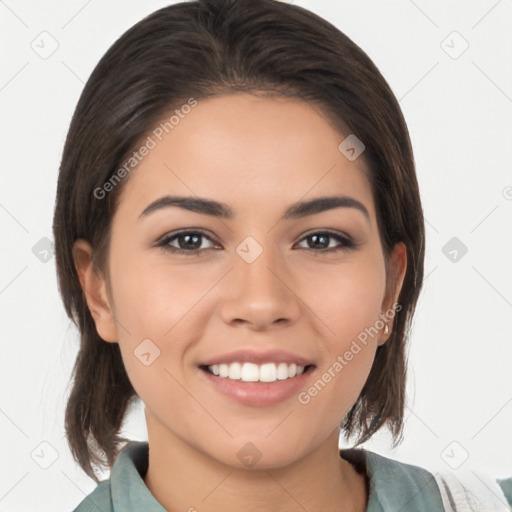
(260, 294)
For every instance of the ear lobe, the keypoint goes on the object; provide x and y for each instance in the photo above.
(94, 287)
(398, 267)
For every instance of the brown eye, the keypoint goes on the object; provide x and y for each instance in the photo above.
(322, 240)
(185, 242)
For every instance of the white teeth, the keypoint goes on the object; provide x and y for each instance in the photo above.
(223, 370)
(268, 372)
(250, 372)
(282, 371)
(235, 371)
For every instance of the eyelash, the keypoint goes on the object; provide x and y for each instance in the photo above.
(163, 243)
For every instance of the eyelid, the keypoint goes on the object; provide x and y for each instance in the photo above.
(326, 231)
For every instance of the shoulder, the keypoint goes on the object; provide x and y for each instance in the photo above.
(99, 500)
(506, 487)
(401, 486)
(395, 485)
(124, 490)
(412, 488)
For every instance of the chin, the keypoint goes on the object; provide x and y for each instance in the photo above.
(259, 453)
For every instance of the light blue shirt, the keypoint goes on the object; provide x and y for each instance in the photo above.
(394, 486)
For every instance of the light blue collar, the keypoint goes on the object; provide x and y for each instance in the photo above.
(394, 486)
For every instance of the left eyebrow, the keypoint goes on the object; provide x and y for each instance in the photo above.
(295, 211)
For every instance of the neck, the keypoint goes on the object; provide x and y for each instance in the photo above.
(181, 478)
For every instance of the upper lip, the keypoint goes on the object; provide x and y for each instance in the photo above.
(249, 355)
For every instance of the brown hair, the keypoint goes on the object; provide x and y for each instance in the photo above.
(200, 49)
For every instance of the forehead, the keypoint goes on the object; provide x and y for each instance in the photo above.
(245, 150)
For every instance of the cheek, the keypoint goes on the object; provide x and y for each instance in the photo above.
(350, 306)
(167, 305)
(151, 299)
(345, 368)
(155, 310)
(349, 299)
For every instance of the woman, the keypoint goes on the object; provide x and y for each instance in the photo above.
(240, 239)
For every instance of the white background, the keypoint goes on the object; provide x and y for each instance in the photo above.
(459, 113)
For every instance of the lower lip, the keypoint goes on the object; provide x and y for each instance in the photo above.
(258, 394)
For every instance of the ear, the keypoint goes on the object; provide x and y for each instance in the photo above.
(398, 266)
(95, 290)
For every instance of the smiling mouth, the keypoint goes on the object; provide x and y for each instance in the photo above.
(251, 372)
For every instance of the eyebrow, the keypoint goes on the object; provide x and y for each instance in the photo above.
(295, 211)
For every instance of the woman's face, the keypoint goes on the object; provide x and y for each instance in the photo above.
(252, 293)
